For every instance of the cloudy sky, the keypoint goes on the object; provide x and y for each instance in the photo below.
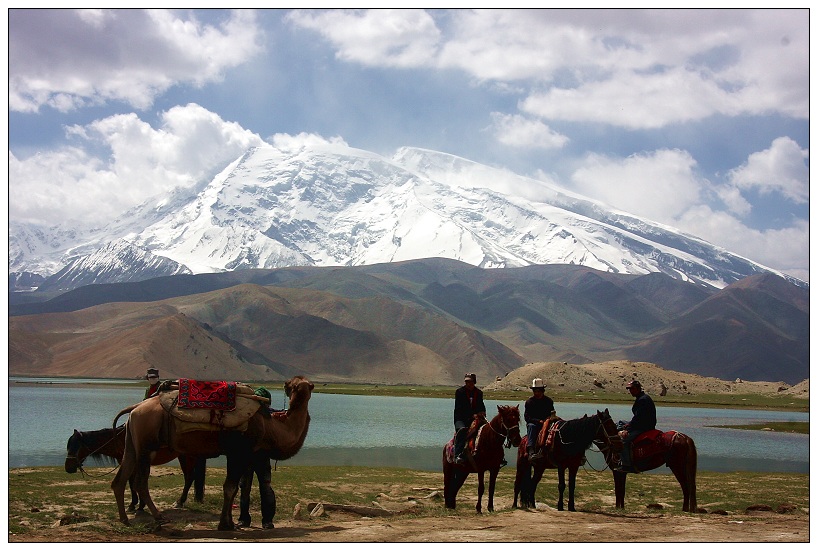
(695, 119)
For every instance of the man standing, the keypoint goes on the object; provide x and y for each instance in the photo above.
(644, 419)
(468, 406)
(153, 380)
(538, 408)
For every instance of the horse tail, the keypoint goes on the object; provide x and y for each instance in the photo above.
(123, 412)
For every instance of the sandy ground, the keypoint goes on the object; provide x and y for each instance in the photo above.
(505, 525)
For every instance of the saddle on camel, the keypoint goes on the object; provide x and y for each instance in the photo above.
(209, 405)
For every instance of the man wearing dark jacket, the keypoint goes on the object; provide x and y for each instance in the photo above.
(644, 419)
(468, 406)
(538, 408)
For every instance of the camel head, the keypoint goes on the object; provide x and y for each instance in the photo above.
(298, 390)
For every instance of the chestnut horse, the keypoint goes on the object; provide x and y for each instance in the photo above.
(488, 456)
(567, 451)
(110, 444)
(650, 451)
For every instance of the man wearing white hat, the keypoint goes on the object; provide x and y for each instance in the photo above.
(538, 408)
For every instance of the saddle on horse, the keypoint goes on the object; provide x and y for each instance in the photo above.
(545, 438)
(648, 450)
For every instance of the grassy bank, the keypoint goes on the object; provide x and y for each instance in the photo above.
(601, 397)
(43, 497)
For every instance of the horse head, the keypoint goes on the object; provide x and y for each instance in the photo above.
(76, 452)
(608, 435)
(510, 418)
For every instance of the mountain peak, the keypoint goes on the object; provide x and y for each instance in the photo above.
(328, 204)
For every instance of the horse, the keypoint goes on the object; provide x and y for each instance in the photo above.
(569, 441)
(488, 456)
(150, 427)
(109, 444)
(649, 451)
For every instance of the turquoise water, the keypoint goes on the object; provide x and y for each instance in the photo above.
(391, 431)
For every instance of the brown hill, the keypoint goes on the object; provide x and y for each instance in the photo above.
(428, 321)
(614, 375)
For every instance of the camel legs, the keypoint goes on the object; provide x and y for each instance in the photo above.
(194, 470)
(123, 477)
(143, 471)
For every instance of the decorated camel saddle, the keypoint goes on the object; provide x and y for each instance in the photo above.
(209, 405)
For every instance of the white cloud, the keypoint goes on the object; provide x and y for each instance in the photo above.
(629, 68)
(68, 59)
(302, 140)
(784, 249)
(381, 37)
(74, 183)
(781, 168)
(659, 185)
(518, 131)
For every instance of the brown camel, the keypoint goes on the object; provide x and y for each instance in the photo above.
(150, 428)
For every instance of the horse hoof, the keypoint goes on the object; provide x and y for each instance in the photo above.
(225, 527)
(131, 509)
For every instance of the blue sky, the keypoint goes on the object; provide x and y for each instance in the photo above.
(696, 119)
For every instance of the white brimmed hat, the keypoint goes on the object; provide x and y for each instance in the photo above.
(537, 383)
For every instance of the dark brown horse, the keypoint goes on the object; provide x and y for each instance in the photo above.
(650, 451)
(110, 444)
(566, 450)
(487, 456)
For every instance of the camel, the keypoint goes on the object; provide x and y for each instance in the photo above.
(150, 428)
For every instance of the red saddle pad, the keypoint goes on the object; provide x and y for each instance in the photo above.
(207, 394)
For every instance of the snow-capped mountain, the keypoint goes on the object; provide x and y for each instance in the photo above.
(335, 205)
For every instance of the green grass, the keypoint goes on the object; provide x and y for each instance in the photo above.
(39, 497)
(800, 427)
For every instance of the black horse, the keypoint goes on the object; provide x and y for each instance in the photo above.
(566, 451)
(109, 445)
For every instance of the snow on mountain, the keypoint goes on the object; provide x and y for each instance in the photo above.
(116, 262)
(331, 204)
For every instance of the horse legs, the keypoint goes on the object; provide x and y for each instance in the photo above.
(619, 488)
(561, 487)
(532, 487)
(683, 463)
(481, 486)
(134, 498)
(572, 484)
(522, 481)
(492, 482)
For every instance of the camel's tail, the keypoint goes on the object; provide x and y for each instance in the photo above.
(123, 412)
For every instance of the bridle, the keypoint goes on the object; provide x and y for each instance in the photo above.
(508, 429)
(612, 441)
(82, 442)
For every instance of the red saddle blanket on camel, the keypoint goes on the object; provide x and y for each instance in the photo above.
(219, 395)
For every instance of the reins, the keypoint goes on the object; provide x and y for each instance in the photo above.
(80, 467)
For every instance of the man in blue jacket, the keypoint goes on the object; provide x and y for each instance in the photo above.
(644, 419)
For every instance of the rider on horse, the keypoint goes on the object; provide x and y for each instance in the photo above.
(538, 408)
(644, 419)
(468, 407)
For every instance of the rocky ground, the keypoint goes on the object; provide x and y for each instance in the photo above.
(613, 376)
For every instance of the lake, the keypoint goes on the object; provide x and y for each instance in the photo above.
(389, 431)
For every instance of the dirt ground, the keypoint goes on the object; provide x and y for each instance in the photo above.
(406, 522)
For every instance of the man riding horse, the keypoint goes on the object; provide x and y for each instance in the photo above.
(644, 419)
(468, 407)
(538, 408)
